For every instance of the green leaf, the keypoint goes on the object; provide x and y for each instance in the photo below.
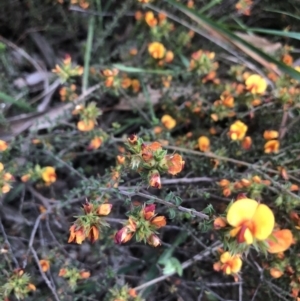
(18, 103)
(129, 69)
(282, 12)
(233, 39)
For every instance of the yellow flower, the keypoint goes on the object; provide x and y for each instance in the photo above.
(104, 209)
(280, 241)
(238, 130)
(271, 146)
(251, 220)
(268, 135)
(256, 84)
(150, 19)
(3, 145)
(85, 126)
(157, 50)
(203, 143)
(45, 265)
(48, 174)
(168, 121)
(229, 264)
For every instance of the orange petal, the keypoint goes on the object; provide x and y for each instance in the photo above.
(263, 222)
(241, 211)
(284, 239)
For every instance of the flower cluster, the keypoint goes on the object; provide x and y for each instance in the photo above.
(88, 116)
(250, 223)
(90, 223)
(158, 51)
(143, 225)
(5, 180)
(47, 174)
(253, 185)
(150, 160)
(124, 293)
(73, 275)
(66, 70)
(18, 284)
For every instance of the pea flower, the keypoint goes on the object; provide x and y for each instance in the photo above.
(204, 143)
(269, 135)
(45, 265)
(49, 175)
(157, 50)
(256, 84)
(280, 241)
(229, 264)
(168, 121)
(271, 146)
(251, 220)
(3, 145)
(237, 130)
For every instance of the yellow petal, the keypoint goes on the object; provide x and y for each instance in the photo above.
(240, 211)
(225, 257)
(236, 264)
(248, 237)
(263, 222)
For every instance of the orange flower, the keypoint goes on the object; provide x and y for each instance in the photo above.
(149, 211)
(276, 273)
(256, 84)
(204, 143)
(25, 178)
(175, 164)
(227, 100)
(153, 240)
(85, 274)
(168, 122)
(157, 50)
(280, 241)
(224, 183)
(159, 221)
(3, 146)
(149, 149)
(93, 234)
(48, 174)
(229, 264)
(126, 233)
(246, 143)
(238, 130)
(62, 272)
(219, 223)
(76, 235)
(268, 135)
(45, 265)
(135, 84)
(31, 287)
(150, 19)
(154, 179)
(272, 146)
(169, 56)
(85, 126)
(251, 220)
(104, 209)
(95, 143)
(126, 83)
(138, 15)
(132, 139)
